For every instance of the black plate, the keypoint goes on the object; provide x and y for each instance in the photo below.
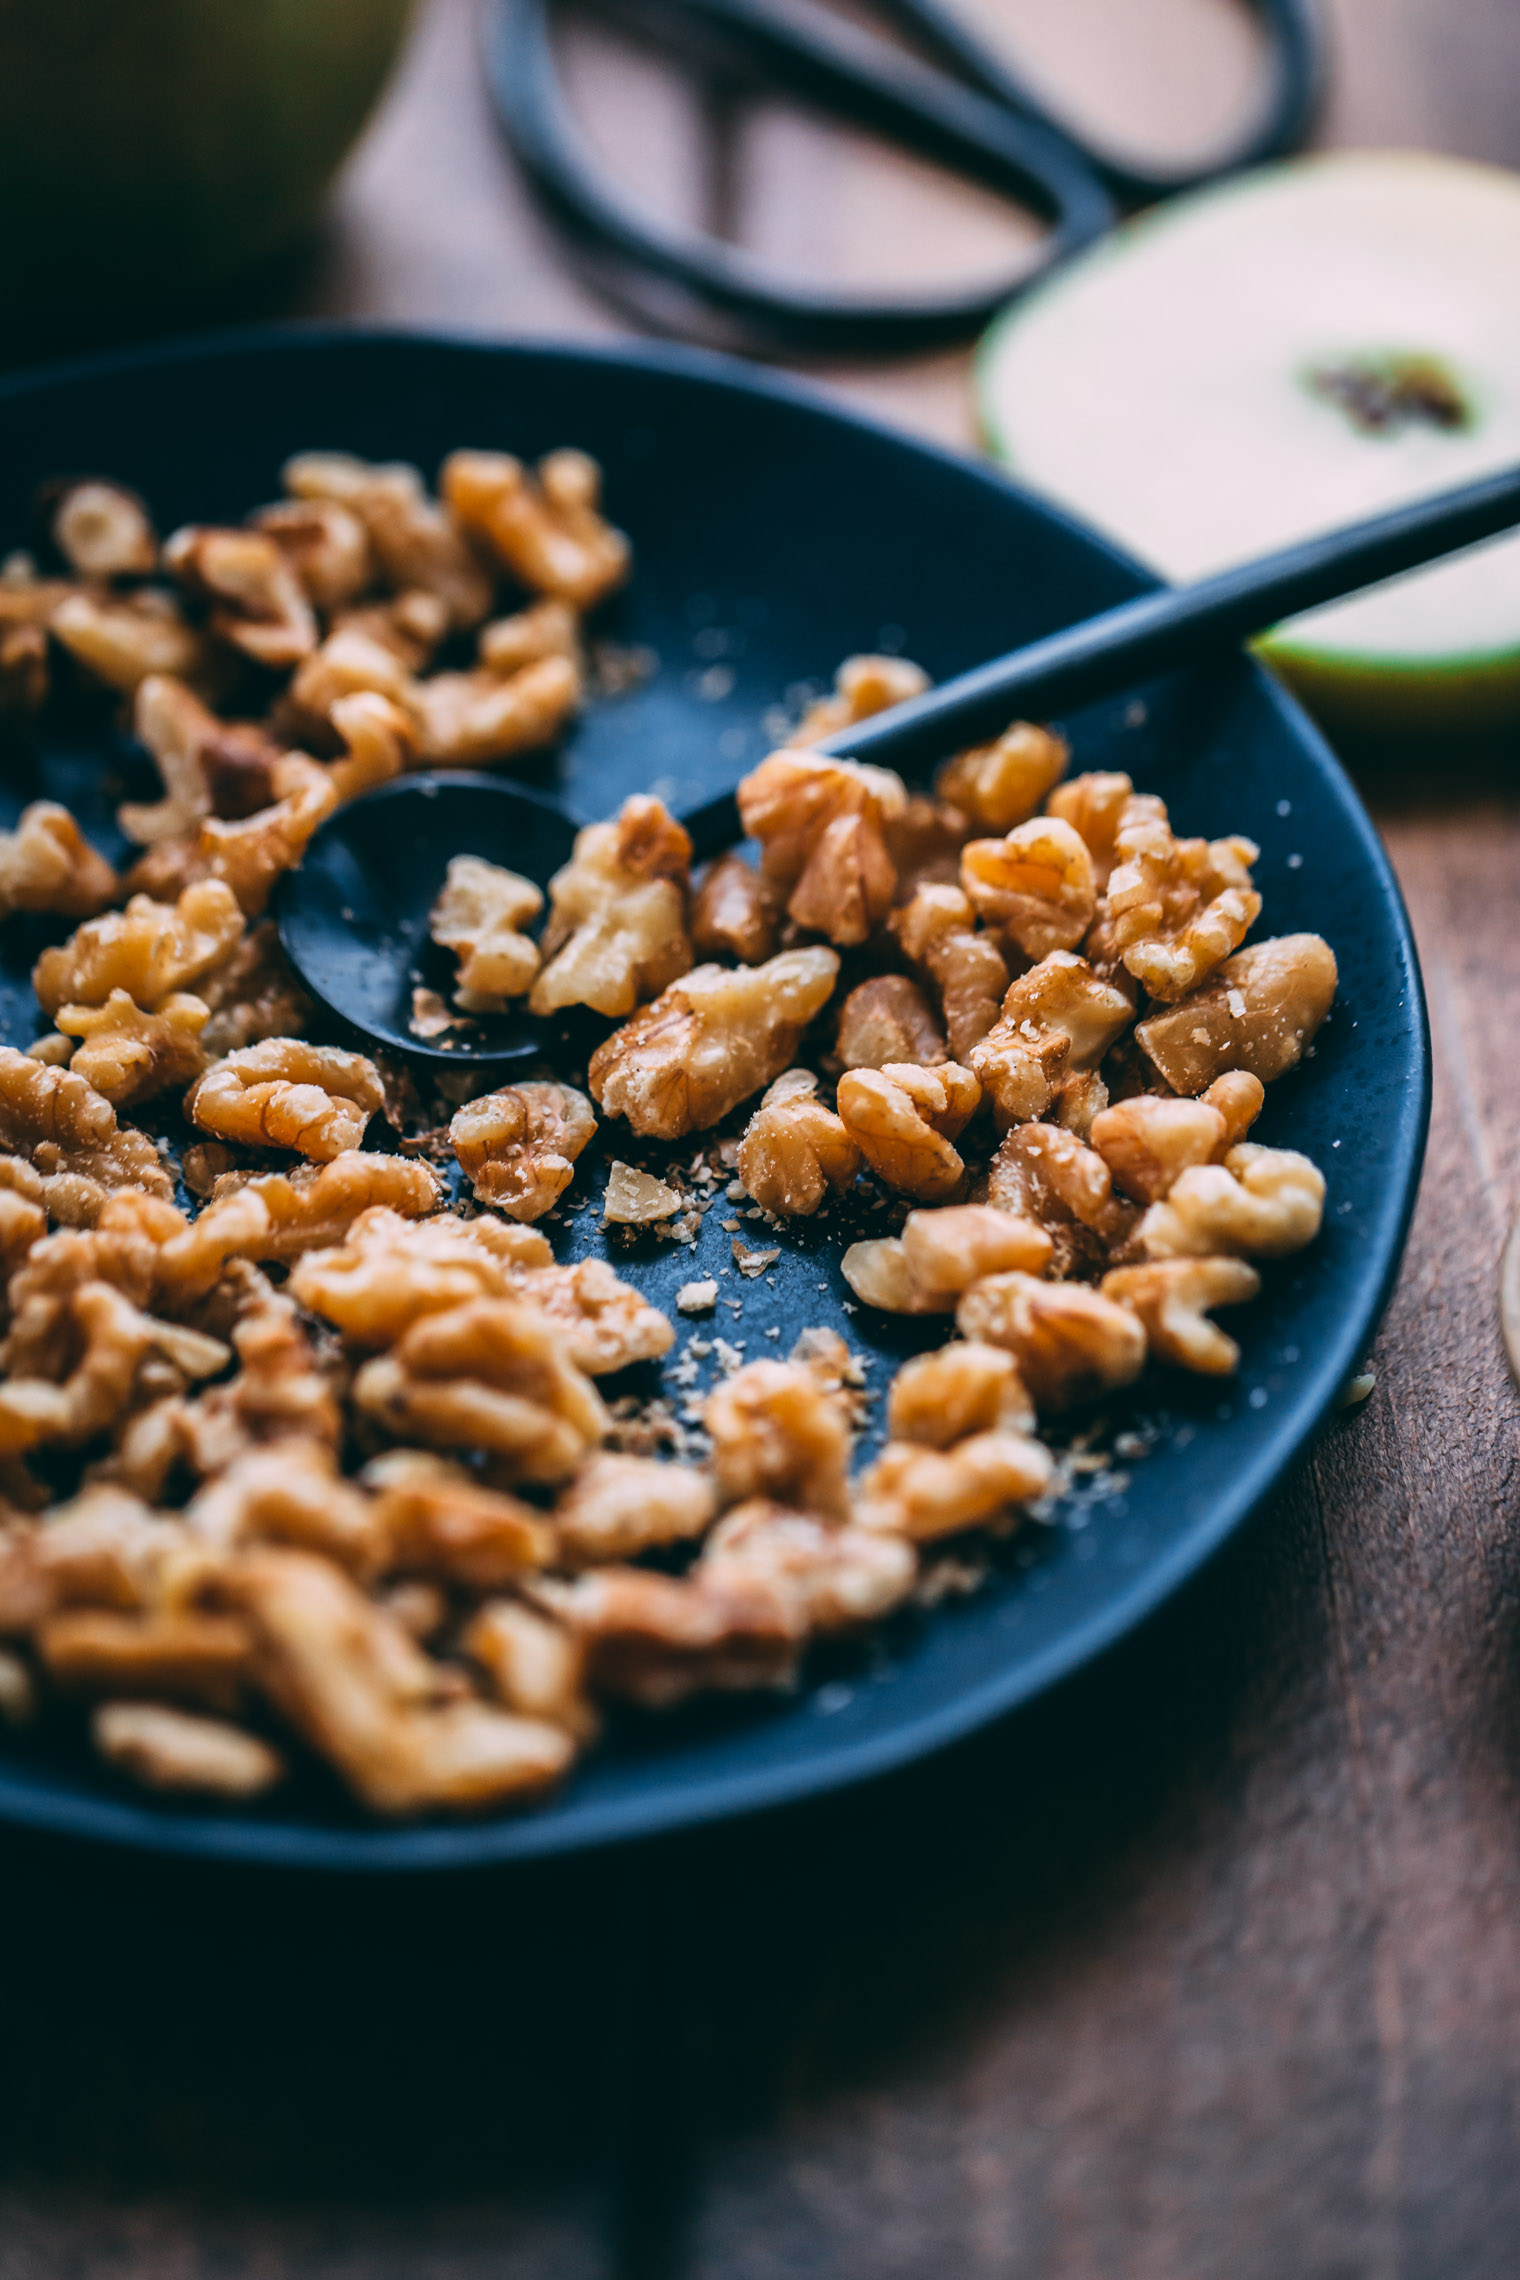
(773, 535)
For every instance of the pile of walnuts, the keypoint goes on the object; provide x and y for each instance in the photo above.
(325, 1457)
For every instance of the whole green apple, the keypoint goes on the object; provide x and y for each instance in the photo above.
(152, 149)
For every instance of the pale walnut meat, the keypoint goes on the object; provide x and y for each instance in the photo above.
(602, 1323)
(1148, 1140)
(150, 949)
(480, 915)
(291, 1493)
(122, 638)
(1260, 1203)
(1259, 1013)
(1173, 1298)
(412, 625)
(943, 1397)
(922, 1494)
(617, 925)
(252, 994)
(822, 828)
(617, 1507)
(1093, 805)
(532, 1665)
(326, 546)
(472, 719)
(887, 1018)
(547, 629)
(437, 1520)
(1047, 1175)
(379, 743)
(633, 1198)
(709, 1041)
(1071, 1344)
(490, 1375)
(998, 785)
(658, 1640)
(129, 1055)
(734, 913)
(184, 1653)
(1035, 885)
(795, 1152)
(777, 1431)
(249, 853)
(418, 542)
(385, 1271)
(1239, 1098)
(833, 1577)
(518, 1146)
(256, 603)
(863, 687)
(281, 1216)
(904, 1120)
(284, 1093)
(181, 1755)
(938, 932)
(941, 1253)
(1057, 1020)
(104, 531)
(351, 1681)
(1175, 908)
(545, 526)
(47, 864)
(106, 1338)
(69, 1132)
(352, 661)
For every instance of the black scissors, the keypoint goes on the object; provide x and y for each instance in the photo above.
(966, 109)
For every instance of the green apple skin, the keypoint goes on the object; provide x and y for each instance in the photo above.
(150, 149)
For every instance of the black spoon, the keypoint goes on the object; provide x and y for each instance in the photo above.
(353, 918)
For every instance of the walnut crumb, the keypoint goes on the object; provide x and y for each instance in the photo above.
(636, 1199)
(753, 1263)
(697, 1297)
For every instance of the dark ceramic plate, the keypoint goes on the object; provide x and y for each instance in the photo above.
(774, 535)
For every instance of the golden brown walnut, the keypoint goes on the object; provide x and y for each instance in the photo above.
(491, 1375)
(711, 1040)
(122, 638)
(1046, 1174)
(256, 601)
(469, 720)
(252, 994)
(280, 1216)
(943, 1397)
(617, 1507)
(822, 828)
(518, 1146)
(284, 1093)
(129, 1055)
(104, 531)
(23, 1213)
(951, 1248)
(150, 950)
(480, 915)
(418, 543)
(1175, 908)
(47, 864)
(291, 1493)
(281, 1391)
(1238, 1097)
(122, 1249)
(326, 546)
(795, 1151)
(547, 629)
(777, 1431)
(250, 852)
(1259, 1012)
(1035, 885)
(379, 739)
(411, 625)
(658, 1640)
(633, 1198)
(182, 1755)
(436, 1519)
(617, 926)
(352, 661)
(532, 1664)
(925, 845)
(1071, 1343)
(1260, 1203)
(104, 1548)
(903, 1120)
(734, 913)
(923, 1493)
(863, 686)
(184, 1653)
(106, 1338)
(546, 526)
(353, 1683)
(998, 785)
(938, 931)
(208, 766)
(390, 1270)
(1173, 1298)
(1058, 1019)
(1148, 1140)
(831, 1578)
(69, 1132)
(887, 1018)
(1093, 805)
(602, 1322)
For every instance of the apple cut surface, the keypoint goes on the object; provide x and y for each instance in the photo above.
(1254, 364)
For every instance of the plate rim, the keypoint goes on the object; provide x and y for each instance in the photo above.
(848, 1765)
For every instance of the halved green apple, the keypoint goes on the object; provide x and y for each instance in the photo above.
(1286, 353)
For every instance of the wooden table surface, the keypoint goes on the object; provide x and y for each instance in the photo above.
(1207, 1965)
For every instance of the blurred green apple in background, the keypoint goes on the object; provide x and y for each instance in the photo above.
(151, 151)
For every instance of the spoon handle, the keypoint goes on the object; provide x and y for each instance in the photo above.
(1176, 626)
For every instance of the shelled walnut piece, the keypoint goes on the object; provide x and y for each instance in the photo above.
(284, 1093)
(617, 919)
(822, 826)
(518, 1146)
(480, 915)
(46, 864)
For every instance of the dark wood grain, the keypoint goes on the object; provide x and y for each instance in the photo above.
(1209, 1964)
